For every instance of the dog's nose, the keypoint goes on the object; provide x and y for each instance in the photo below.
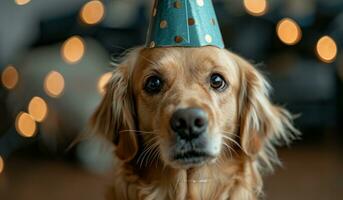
(189, 123)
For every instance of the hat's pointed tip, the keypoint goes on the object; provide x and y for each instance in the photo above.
(184, 23)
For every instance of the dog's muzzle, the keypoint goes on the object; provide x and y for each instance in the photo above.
(190, 128)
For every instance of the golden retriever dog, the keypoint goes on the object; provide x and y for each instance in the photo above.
(190, 123)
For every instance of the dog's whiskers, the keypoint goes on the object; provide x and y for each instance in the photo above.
(231, 139)
(145, 155)
(229, 149)
(151, 156)
(227, 146)
(152, 146)
(229, 133)
(155, 156)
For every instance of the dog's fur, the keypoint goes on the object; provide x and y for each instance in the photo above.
(241, 118)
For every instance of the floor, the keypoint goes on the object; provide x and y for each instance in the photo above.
(311, 171)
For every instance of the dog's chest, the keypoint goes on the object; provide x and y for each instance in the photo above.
(185, 191)
(206, 190)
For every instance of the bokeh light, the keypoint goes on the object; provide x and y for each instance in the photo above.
(9, 77)
(2, 164)
(256, 7)
(288, 31)
(326, 49)
(73, 49)
(54, 84)
(92, 12)
(22, 2)
(25, 125)
(103, 80)
(38, 109)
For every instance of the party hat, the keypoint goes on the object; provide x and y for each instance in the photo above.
(184, 23)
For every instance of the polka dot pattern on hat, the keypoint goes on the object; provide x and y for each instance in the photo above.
(163, 24)
(200, 2)
(177, 4)
(208, 38)
(191, 21)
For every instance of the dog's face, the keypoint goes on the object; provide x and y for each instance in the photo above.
(188, 107)
(187, 98)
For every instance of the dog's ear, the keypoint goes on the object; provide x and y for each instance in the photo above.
(262, 123)
(115, 116)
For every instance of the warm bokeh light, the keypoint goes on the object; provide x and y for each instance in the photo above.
(73, 49)
(2, 164)
(54, 84)
(256, 7)
(22, 2)
(288, 31)
(25, 125)
(38, 109)
(92, 12)
(103, 80)
(326, 49)
(9, 77)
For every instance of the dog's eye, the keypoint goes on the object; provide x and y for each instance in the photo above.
(217, 82)
(153, 85)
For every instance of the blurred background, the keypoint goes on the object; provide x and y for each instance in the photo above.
(55, 58)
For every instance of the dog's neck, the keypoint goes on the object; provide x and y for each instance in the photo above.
(210, 181)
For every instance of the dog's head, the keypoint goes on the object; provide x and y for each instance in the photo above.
(188, 107)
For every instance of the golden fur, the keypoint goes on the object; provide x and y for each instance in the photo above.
(242, 117)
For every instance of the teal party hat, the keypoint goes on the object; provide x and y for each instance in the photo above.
(184, 23)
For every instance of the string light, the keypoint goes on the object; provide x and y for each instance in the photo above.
(256, 7)
(73, 49)
(2, 164)
(9, 77)
(25, 125)
(288, 31)
(54, 84)
(103, 80)
(22, 2)
(326, 49)
(92, 12)
(38, 109)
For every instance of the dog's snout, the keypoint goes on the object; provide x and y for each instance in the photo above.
(189, 123)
